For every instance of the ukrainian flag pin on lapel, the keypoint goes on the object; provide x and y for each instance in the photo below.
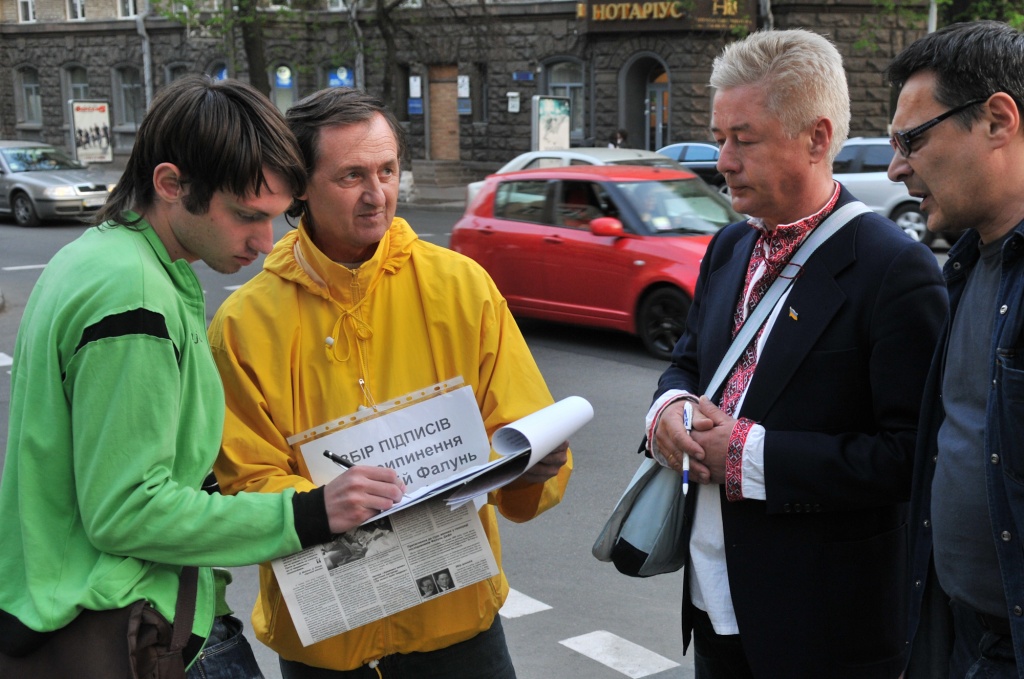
(793, 314)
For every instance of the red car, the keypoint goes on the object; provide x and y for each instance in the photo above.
(612, 246)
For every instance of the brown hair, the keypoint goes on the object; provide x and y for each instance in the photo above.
(220, 134)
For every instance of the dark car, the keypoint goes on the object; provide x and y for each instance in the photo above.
(40, 183)
(611, 246)
(701, 158)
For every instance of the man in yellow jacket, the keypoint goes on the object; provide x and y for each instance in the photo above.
(352, 309)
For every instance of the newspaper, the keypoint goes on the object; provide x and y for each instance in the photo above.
(433, 540)
(383, 567)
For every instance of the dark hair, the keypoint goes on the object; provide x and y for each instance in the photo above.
(970, 61)
(332, 107)
(220, 134)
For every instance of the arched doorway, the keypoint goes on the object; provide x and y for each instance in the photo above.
(645, 96)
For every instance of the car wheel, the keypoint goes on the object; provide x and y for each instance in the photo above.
(662, 319)
(24, 210)
(913, 222)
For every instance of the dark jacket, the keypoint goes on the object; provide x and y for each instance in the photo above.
(931, 630)
(817, 571)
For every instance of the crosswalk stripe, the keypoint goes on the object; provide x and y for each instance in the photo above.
(23, 268)
(518, 604)
(619, 654)
(5, 360)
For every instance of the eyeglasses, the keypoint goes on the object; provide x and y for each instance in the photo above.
(901, 141)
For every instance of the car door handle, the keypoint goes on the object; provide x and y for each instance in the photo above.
(553, 239)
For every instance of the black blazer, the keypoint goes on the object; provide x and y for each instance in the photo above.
(817, 571)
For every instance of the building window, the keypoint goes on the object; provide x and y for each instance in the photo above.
(129, 99)
(282, 87)
(127, 8)
(26, 10)
(176, 71)
(27, 99)
(479, 91)
(77, 83)
(76, 10)
(565, 79)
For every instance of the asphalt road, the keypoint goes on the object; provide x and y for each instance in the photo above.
(587, 619)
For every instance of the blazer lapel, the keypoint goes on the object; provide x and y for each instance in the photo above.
(725, 285)
(815, 298)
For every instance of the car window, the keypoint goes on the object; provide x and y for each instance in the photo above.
(546, 161)
(701, 153)
(578, 204)
(877, 158)
(844, 159)
(672, 152)
(38, 158)
(679, 206)
(522, 201)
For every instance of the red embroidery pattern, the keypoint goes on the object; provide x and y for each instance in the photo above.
(772, 252)
(734, 460)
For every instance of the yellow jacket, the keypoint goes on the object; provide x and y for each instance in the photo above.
(413, 315)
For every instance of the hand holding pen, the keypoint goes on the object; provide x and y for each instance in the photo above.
(359, 493)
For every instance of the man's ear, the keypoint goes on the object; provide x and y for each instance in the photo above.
(167, 182)
(1004, 122)
(821, 138)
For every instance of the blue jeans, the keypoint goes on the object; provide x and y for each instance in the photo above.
(227, 654)
(978, 652)
(485, 656)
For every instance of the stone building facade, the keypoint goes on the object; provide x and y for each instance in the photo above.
(462, 74)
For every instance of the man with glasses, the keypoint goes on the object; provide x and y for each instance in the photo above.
(967, 510)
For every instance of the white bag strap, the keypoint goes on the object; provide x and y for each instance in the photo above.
(757, 317)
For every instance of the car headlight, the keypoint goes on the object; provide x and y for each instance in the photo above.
(60, 192)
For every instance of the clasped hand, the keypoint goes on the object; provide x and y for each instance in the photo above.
(706, 444)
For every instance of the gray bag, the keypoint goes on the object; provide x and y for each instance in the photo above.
(644, 535)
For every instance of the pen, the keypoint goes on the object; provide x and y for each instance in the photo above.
(338, 460)
(688, 424)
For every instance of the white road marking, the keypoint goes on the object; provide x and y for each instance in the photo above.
(518, 604)
(5, 360)
(232, 287)
(619, 654)
(24, 268)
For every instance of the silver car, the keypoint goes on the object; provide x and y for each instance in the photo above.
(862, 166)
(580, 155)
(39, 182)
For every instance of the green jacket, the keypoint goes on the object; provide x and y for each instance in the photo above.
(116, 416)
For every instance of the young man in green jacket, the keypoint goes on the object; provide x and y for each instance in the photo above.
(117, 409)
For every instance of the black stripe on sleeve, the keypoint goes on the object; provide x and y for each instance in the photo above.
(133, 322)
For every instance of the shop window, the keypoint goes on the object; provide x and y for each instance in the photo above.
(28, 101)
(218, 70)
(282, 87)
(337, 76)
(565, 79)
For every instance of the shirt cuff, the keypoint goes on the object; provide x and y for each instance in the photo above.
(734, 459)
(311, 522)
(654, 417)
